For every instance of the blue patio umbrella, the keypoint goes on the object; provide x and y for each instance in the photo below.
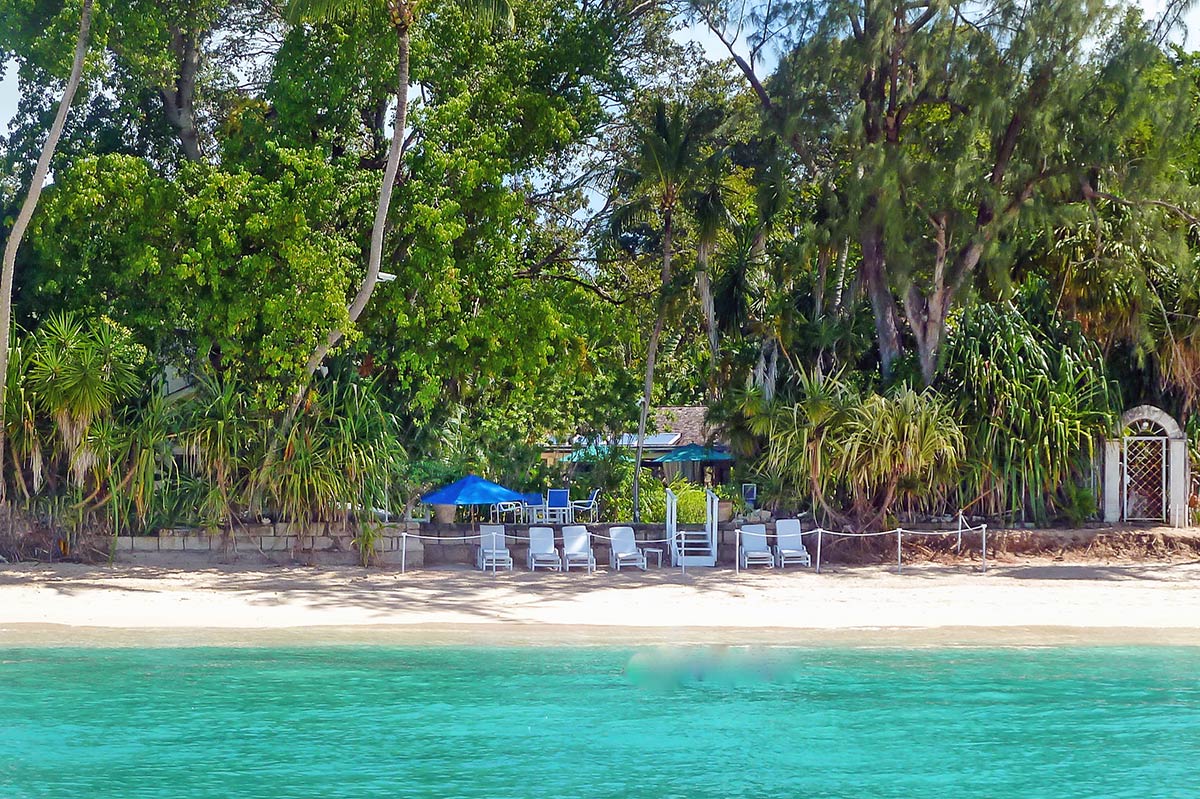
(693, 453)
(471, 490)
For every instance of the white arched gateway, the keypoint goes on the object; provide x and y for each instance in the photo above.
(1146, 469)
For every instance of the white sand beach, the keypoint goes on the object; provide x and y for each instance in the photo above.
(1030, 601)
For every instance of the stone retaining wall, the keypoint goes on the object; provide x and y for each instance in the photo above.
(280, 543)
(332, 545)
(463, 552)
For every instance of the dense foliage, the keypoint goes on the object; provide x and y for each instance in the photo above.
(915, 258)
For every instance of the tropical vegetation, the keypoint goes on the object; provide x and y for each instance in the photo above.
(302, 260)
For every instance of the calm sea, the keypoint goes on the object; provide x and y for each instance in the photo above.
(595, 722)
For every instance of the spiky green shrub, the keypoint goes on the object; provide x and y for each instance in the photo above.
(1034, 402)
(859, 454)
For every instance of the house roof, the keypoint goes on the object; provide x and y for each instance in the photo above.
(685, 420)
(675, 426)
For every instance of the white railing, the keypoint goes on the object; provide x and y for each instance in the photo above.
(961, 528)
(711, 501)
(672, 527)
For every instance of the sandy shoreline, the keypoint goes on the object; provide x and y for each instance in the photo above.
(1023, 602)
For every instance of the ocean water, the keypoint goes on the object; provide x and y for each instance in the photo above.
(90, 723)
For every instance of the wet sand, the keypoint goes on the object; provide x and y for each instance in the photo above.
(1028, 602)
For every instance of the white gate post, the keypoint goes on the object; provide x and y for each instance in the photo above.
(1177, 483)
(1112, 480)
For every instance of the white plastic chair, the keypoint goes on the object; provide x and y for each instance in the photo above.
(493, 552)
(589, 506)
(625, 550)
(541, 550)
(789, 544)
(500, 509)
(558, 506)
(753, 549)
(577, 548)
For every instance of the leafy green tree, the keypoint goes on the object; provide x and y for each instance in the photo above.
(945, 125)
(239, 270)
(17, 233)
(401, 16)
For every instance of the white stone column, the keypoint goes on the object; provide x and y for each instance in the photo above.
(1177, 483)
(1112, 480)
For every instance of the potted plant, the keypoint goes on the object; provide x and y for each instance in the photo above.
(725, 501)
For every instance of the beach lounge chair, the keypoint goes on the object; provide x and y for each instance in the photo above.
(589, 507)
(541, 550)
(577, 548)
(753, 550)
(625, 550)
(789, 546)
(493, 552)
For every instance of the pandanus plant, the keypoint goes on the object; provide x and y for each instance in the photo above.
(76, 374)
(856, 454)
(1033, 403)
(219, 438)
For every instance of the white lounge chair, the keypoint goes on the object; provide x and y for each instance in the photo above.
(789, 546)
(541, 550)
(577, 548)
(753, 550)
(625, 550)
(493, 552)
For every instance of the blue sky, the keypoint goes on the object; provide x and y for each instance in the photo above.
(8, 83)
(8, 96)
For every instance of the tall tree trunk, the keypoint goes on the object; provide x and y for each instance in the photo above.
(651, 355)
(31, 200)
(883, 304)
(927, 312)
(707, 305)
(824, 257)
(839, 294)
(179, 101)
(375, 257)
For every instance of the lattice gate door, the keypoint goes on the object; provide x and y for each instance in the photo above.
(1145, 462)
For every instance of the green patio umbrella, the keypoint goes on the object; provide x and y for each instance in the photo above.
(592, 453)
(693, 453)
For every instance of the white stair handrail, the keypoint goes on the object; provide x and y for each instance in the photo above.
(711, 501)
(672, 526)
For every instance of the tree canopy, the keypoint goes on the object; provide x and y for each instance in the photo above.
(505, 222)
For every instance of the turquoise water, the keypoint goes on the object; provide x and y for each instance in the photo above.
(592, 722)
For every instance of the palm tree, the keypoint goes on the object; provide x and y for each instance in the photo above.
(708, 209)
(402, 15)
(669, 163)
(31, 200)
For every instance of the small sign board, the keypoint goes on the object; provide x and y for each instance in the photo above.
(749, 494)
